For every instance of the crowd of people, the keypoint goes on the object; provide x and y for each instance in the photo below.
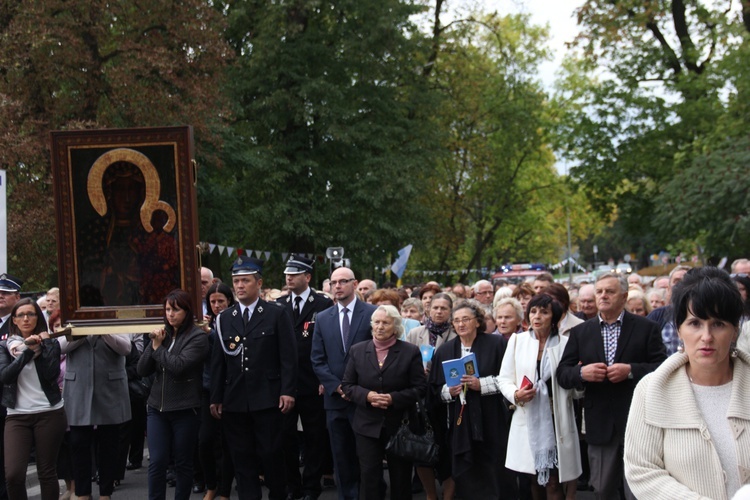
(625, 386)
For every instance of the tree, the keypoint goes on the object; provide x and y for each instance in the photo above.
(495, 194)
(332, 137)
(95, 64)
(642, 100)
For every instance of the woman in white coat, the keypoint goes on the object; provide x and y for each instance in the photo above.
(543, 439)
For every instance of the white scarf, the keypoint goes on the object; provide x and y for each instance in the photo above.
(541, 427)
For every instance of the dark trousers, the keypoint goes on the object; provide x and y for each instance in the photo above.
(310, 411)
(607, 475)
(81, 440)
(344, 449)
(255, 440)
(46, 429)
(371, 452)
(137, 432)
(215, 460)
(171, 433)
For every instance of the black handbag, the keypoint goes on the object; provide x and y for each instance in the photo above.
(417, 448)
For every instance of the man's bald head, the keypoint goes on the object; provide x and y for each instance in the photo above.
(343, 285)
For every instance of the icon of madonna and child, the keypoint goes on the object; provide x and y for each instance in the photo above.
(126, 234)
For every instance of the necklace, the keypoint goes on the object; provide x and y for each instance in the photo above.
(381, 363)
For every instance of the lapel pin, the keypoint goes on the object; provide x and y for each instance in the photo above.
(260, 309)
(310, 299)
(234, 313)
(232, 345)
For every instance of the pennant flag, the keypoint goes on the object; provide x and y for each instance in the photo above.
(240, 252)
(249, 253)
(399, 266)
(268, 255)
(221, 249)
(258, 254)
(230, 251)
(211, 248)
(284, 256)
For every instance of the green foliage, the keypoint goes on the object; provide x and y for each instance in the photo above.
(657, 85)
(712, 196)
(332, 139)
(72, 64)
(495, 194)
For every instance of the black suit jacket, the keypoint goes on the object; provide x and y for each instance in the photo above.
(402, 376)
(328, 355)
(258, 362)
(307, 381)
(606, 404)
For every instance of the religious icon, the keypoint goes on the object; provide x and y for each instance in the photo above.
(127, 221)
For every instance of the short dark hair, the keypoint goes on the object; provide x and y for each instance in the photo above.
(546, 302)
(180, 299)
(707, 292)
(222, 289)
(476, 309)
(560, 294)
(41, 322)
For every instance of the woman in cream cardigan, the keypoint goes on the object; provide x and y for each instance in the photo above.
(688, 432)
(541, 442)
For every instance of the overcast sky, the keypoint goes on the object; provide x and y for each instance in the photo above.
(558, 14)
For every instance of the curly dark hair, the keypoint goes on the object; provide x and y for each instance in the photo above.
(476, 309)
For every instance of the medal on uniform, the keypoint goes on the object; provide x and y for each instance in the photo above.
(237, 339)
(232, 345)
(306, 328)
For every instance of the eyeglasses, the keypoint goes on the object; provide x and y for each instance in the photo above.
(488, 292)
(341, 282)
(26, 315)
(461, 321)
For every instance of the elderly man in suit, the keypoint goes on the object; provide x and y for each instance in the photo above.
(337, 329)
(253, 381)
(304, 304)
(607, 356)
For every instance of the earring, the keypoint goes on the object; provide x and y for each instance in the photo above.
(733, 350)
(681, 347)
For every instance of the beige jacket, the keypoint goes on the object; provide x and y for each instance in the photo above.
(668, 450)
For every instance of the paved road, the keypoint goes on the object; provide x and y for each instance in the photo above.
(135, 488)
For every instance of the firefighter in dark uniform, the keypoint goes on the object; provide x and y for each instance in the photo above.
(253, 382)
(303, 304)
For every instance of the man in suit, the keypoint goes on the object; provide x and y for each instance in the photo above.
(337, 329)
(253, 381)
(304, 304)
(10, 288)
(607, 356)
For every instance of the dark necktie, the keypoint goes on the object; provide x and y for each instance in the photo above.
(345, 327)
(246, 316)
(297, 301)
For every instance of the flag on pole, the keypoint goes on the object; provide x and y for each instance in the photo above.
(399, 266)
